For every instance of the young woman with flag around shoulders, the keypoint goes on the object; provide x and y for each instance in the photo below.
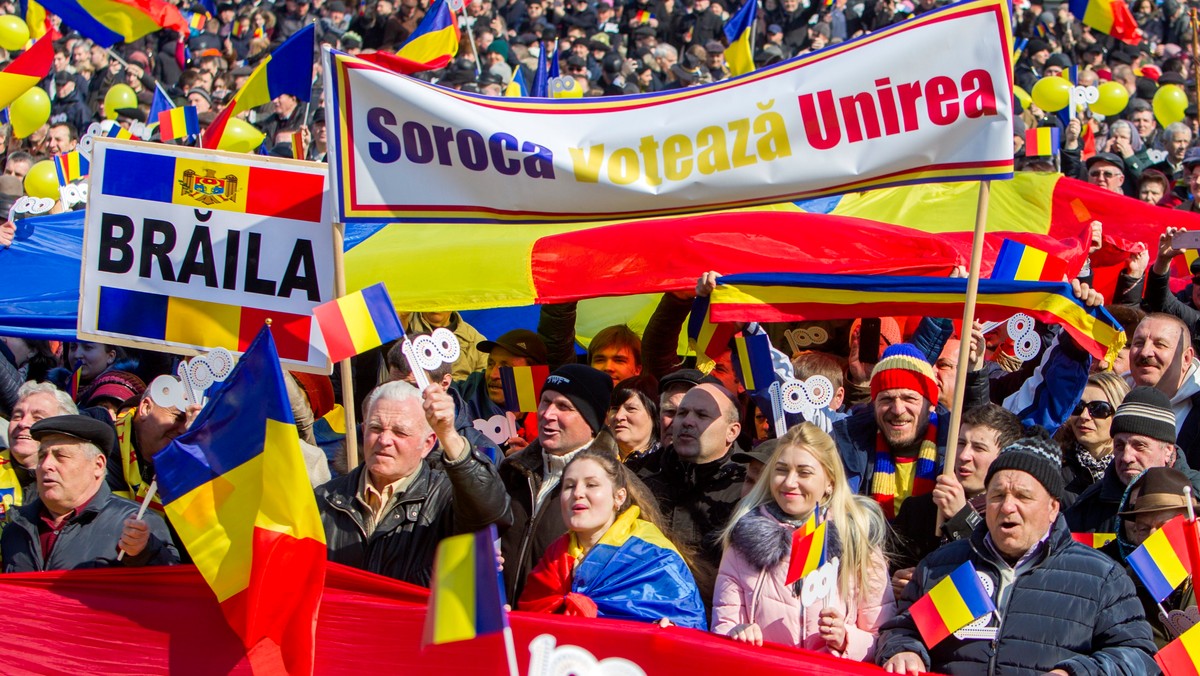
(614, 560)
(837, 608)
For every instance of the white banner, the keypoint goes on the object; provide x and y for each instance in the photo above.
(186, 250)
(925, 100)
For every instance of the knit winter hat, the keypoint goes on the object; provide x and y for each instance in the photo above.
(1037, 457)
(588, 388)
(904, 366)
(1146, 411)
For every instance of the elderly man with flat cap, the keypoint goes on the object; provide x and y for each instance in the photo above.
(76, 521)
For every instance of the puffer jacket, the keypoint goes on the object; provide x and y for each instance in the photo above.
(455, 498)
(87, 540)
(750, 589)
(1071, 608)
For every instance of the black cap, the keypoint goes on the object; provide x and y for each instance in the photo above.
(131, 113)
(1035, 45)
(1039, 457)
(1171, 78)
(82, 427)
(588, 388)
(688, 377)
(521, 343)
(1112, 159)
(62, 77)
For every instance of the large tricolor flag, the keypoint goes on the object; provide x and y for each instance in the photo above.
(431, 46)
(235, 488)
(358, 322)
(26, 70)
(1108, 16)
(788, 297)
(466, 595)
(107, 22)
(739, 31)
(35, 17)
(956, 601)
(288, 70)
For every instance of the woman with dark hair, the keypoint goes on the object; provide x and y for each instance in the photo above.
(89, 360)
(33, 358)
(632, 419)
(614, 560)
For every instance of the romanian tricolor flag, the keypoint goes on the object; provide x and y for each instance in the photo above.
(739, 30)
(1025, 263)
(790, 297)
(1108, 16)
(752, 360)
(178, 123)
(431, 46)
(117, 131)
(236, 490)
(522, 386)
(1181, 657)
(808, 548)
(1162, 561)
(1094, 540)
(75, 386)
(35, 17)
(196, 22)
(1042, 141)
(26, 70)
(71, 166)
(466, 594)
(709, 338)
(297, 145)
(642, 16)
(288, 70)
(358, 322)
(107, 22)
(956, 601)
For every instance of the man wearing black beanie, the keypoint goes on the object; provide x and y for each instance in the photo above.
(1061, 606)
(570, 412)
(1143, 431)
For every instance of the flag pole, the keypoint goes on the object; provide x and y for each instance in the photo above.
(339, 286)
(510, 650)
(142, 510)
(964, 347)
(1195, 44)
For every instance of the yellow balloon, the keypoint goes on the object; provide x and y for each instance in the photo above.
(1022, 96)
(14, 34)
(1113, 99)
(118, 97)
(240, 137)
(29, 112)
(42, 180)
(1170, 102)
(1051, 94)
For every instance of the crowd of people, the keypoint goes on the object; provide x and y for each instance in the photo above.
(643, 470)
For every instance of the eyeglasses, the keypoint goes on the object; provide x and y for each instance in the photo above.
(1099, 410)
(1105, 174)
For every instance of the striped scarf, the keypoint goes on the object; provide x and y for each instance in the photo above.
(883, 483)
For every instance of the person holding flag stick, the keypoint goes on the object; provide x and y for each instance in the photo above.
(771, 586)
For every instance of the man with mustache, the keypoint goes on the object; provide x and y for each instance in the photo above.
(894, 449)
(1143, 431)
(1161, 356)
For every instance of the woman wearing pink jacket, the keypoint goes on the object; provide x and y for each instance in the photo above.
(804, 478)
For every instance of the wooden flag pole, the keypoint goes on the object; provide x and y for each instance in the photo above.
(1195, 44)
(964, 347)
(348, 403)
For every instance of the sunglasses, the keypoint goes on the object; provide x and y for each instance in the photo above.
(1099, 410)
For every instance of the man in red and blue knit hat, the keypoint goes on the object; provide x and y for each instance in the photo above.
(893, 449)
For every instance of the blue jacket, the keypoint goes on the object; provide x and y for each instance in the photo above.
(1071, 608)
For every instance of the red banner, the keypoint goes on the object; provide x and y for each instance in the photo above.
(166, 620)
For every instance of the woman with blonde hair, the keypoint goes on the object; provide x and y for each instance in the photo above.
(753, 603)
(1086, 437)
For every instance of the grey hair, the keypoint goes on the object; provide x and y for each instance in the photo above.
(664, 49)
(1177, 128)
(65, 405)
(396, 390)
(90, 450)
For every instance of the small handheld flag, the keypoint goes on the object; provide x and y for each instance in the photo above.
(297, 145)
(1181, 657)
(466, 594)
(358, 322)
(752, 361)
(808, 549)
(1162, 561)
(522, 386)
(1024, 263)
(956, 601)
(1094, 540)
(76, 380)
(178, 123)
(71, 166)
(1042, 141)
(711, 339)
